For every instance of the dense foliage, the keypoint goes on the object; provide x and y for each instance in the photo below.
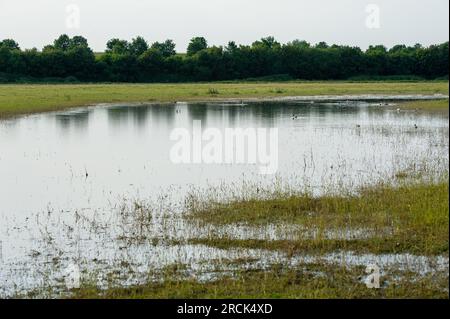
(71, 59)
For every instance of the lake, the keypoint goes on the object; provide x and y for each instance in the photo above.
(64, 176)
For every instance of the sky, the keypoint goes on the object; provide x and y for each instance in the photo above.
(35, 23)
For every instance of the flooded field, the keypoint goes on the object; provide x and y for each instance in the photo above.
(95, 191)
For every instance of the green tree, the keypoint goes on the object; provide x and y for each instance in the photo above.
(376, 60)
(322, 45)
(268, 43)
(152, 62)
(196, 45)
(131, 62)
(78, 41)
(167, 48)
(117, 46)
(62, 43)
(300, 44)
(138, 46)
(231, 47)
(9, 44)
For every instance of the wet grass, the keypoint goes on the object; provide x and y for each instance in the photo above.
(410, 217)
(389, 244)
(24, 99)
(434, 106)
(416, 214)
(310, 281)
(406, 217)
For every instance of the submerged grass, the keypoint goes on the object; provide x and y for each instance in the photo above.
(411, 217)
(23, 99)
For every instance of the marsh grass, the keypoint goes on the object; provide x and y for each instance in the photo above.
(401, 222)
(414, 212)
(276, 281)
(410, 217)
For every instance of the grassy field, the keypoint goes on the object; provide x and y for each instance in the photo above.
(23, 99)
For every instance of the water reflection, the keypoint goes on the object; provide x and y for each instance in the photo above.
(78, 121)
(126, 149)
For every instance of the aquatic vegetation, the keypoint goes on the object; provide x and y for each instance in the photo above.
(279, 281)
(402, 228)
(409, 217)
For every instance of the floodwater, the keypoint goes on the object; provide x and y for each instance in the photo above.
(64, 175)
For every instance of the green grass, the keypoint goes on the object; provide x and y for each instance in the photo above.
(23, 99)
(278, 281)
(436, 105)
(407, 218)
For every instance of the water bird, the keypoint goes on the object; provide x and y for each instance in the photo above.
(415, 126)
(358, 126)
(294, 117)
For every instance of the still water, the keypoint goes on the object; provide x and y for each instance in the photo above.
(91, 159)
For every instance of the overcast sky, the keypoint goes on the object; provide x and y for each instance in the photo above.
(34, 23)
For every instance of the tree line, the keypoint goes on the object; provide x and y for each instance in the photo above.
(71, 59)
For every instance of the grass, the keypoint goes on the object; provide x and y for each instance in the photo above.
(435, 105)
(310, 281)
(24, 99)
(415, 212)
(407, 218)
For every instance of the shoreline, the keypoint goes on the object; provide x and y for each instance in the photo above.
(312, 99)
(17, 100)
